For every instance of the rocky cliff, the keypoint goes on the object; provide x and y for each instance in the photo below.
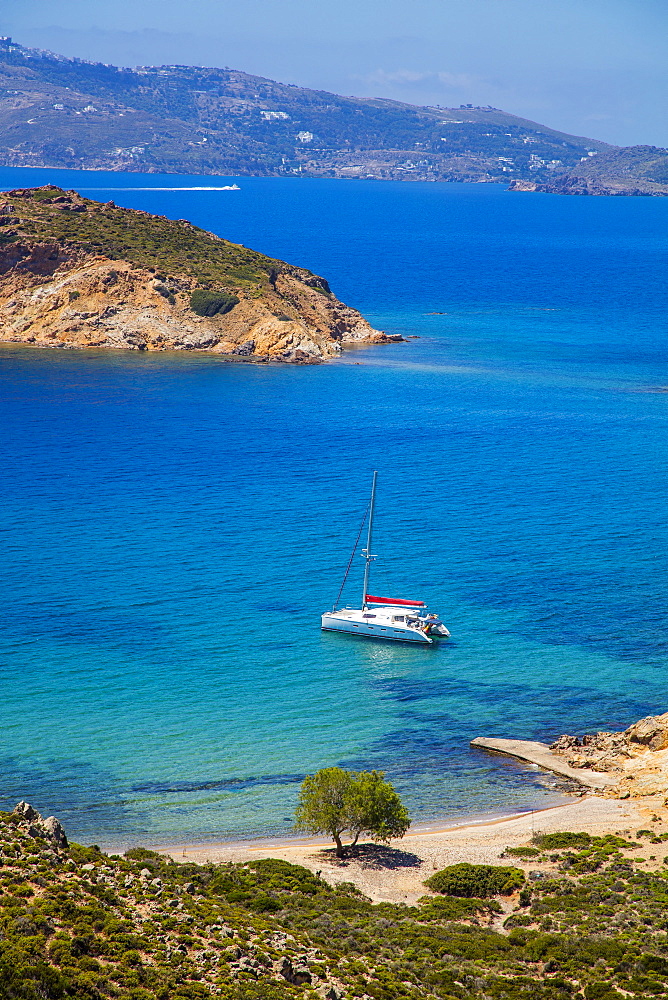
(78, 273)
(637, 757)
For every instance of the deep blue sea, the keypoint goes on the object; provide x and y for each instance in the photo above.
(173, 526)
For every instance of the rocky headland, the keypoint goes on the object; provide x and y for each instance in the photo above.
(76, 273)
(637, 758)
(634, 171)
(629, 764)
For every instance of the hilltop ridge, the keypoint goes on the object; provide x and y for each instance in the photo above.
(62, 112)
(79, 273)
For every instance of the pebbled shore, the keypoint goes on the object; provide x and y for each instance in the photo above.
(628, 770)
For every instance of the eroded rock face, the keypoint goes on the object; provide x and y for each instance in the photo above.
(296, 972)
(651, 732)
(46, 829)
(638, 756)
(96, 302)
(25, 810)
(81, 274)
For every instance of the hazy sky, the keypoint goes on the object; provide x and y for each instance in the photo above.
(591, 67)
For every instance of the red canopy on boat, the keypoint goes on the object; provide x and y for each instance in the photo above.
(392, 600)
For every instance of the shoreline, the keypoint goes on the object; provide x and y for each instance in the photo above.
(396, 874)
(601, 805)
(530, 754)
(428, 828)
(261, 359)
(539, 754)
(314, 843)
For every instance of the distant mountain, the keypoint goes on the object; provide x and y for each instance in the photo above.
(61, 112)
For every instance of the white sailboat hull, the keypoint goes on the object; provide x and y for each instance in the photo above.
(397, 620)
(381, 628)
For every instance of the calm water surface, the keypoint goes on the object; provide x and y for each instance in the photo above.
(173, 526)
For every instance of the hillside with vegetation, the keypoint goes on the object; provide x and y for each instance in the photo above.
(61, 112)
(635, 170)
(79, 273)
(567, 915)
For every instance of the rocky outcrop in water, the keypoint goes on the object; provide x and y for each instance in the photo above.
(80, 274)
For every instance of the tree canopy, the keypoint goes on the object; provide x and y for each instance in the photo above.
(335, 801)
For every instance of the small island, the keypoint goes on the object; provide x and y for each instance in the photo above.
(77, 273)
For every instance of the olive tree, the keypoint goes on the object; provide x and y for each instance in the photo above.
(334, 801)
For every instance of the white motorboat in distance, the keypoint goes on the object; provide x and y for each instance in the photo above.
(384, 617)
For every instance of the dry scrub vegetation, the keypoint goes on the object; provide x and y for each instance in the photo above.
(74, 922)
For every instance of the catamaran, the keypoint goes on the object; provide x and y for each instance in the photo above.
(383, 617)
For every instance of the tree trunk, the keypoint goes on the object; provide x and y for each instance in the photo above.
(340, 850)
(356, 838)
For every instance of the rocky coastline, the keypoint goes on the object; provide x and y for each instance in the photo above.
(76, 273)
(567, 184)
(636, 759)
(631, 171)
(583, 917)
(629, 764)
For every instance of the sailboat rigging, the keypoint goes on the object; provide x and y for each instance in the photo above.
(382, 617)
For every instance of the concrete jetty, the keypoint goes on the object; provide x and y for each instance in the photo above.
(541, 755)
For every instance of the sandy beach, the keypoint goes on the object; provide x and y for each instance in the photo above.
(602, 804)
(397, 874)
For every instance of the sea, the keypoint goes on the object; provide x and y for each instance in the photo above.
(173, 526)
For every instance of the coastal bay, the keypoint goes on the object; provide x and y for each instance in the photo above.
(175, 525)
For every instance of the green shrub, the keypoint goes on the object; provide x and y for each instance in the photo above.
(517, 920)
(264, 904)
(47, 192)
(143, 854)
(522, 852)
(206, 303)
(559, 841)
(273, 873)
(601, 991)
(612, 841)
(476, 881)
(455, 908)
(525, 897)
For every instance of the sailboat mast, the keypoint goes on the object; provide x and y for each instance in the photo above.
(367, 551)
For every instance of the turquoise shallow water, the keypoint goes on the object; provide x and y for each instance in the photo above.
(174, 526)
